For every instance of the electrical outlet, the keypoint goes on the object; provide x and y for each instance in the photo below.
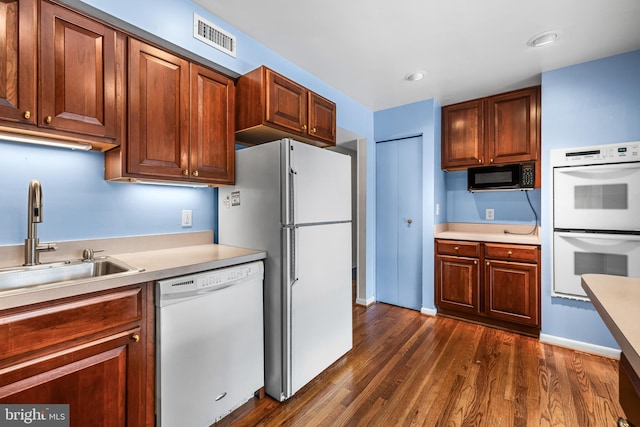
(187, 218)
(488, 214)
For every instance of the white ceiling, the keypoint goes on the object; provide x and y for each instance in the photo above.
(468, 48)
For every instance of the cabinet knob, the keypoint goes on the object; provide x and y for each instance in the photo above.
(195, 173)
(491, 160)
(409, 221)
(135, 337)
(488, 263)
(185, 172)
(27, 114)
(479, 160)
(475, 261)
(49, 119)
(313, 130)
(304, 127)
(456, 249)
(509, 253)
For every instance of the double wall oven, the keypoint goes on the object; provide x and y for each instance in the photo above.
(596, 214)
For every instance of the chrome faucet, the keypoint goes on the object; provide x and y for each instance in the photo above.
(32, 245)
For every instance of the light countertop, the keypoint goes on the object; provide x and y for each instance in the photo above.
(497, 233)
(617, 299)
(157, 264)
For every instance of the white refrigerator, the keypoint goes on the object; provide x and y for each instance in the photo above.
(294, 201)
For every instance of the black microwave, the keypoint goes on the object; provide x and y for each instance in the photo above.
(516, 176)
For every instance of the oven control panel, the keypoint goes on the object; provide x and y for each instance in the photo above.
(597, 154)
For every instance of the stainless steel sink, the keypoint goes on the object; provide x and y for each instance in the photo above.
(65, 271)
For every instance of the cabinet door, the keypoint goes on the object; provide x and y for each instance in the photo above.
(457, 284)
(512, 292)
(322, 118)
(77, 73)
(158, 143)
(212, 126)
(95, 379)
(512, 127)
(286, 103)
(462, 135)
(18, 72)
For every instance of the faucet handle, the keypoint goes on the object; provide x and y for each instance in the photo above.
(88, 254)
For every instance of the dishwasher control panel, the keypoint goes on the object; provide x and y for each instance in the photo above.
(191, 285)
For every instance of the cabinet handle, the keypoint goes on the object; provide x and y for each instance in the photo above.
(475, 261)
(27, 114)
(304, 127)
(135, 337)
(509, 253)
(456, 249)
(479, 160)
(49, 119)
(488, 263)
(491, 160)
(313, 130)
(195, 173)
(185, 172)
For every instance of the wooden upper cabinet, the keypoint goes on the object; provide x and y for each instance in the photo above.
(270, 106)
(512, 126)
(499, 129)
(181, 121)
(158, 112)
(463, 135)
(18, 68)
(286, 103)
(77, 73)
(212, 126)
(322, 118)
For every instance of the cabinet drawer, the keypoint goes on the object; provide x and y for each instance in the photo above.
(35, 328)
(511, 252)
(456, 247)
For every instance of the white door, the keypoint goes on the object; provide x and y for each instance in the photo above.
(321, 324)
(399, 222)
(602, 197)
(319, 185)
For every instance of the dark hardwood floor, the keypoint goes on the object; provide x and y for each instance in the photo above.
(407, 369)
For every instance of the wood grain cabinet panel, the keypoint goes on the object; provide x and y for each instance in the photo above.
(512, 291)
(18, 66)
(77, 73)
(93, 352)
(158, 112)
(463, 135)
(269, 106)
(457, 283)
(212, 140)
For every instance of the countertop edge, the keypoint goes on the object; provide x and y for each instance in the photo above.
(168, 263)
(590, 283)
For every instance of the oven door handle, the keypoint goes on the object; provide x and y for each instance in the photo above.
(597, 236)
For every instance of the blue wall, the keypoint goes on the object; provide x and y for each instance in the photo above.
(420, 118)
(593, 103)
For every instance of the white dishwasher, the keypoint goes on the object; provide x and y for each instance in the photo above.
(209, 344)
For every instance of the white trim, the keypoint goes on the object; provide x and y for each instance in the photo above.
(365, 302)
(580, 345)
(429, 311)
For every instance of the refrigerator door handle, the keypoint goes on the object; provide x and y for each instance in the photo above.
(294, 252)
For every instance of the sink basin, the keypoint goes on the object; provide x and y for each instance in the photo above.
(65, 271)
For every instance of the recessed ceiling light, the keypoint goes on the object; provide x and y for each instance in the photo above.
(542, 39)
(415, 76)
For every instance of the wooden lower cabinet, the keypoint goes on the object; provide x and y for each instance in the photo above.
(90, 352)
(629, 391)
(504, 293)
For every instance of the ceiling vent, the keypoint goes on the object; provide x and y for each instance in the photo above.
(213, 35)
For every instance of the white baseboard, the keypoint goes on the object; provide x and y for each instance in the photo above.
(365, 302)
(580, 345)
(429, 311)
